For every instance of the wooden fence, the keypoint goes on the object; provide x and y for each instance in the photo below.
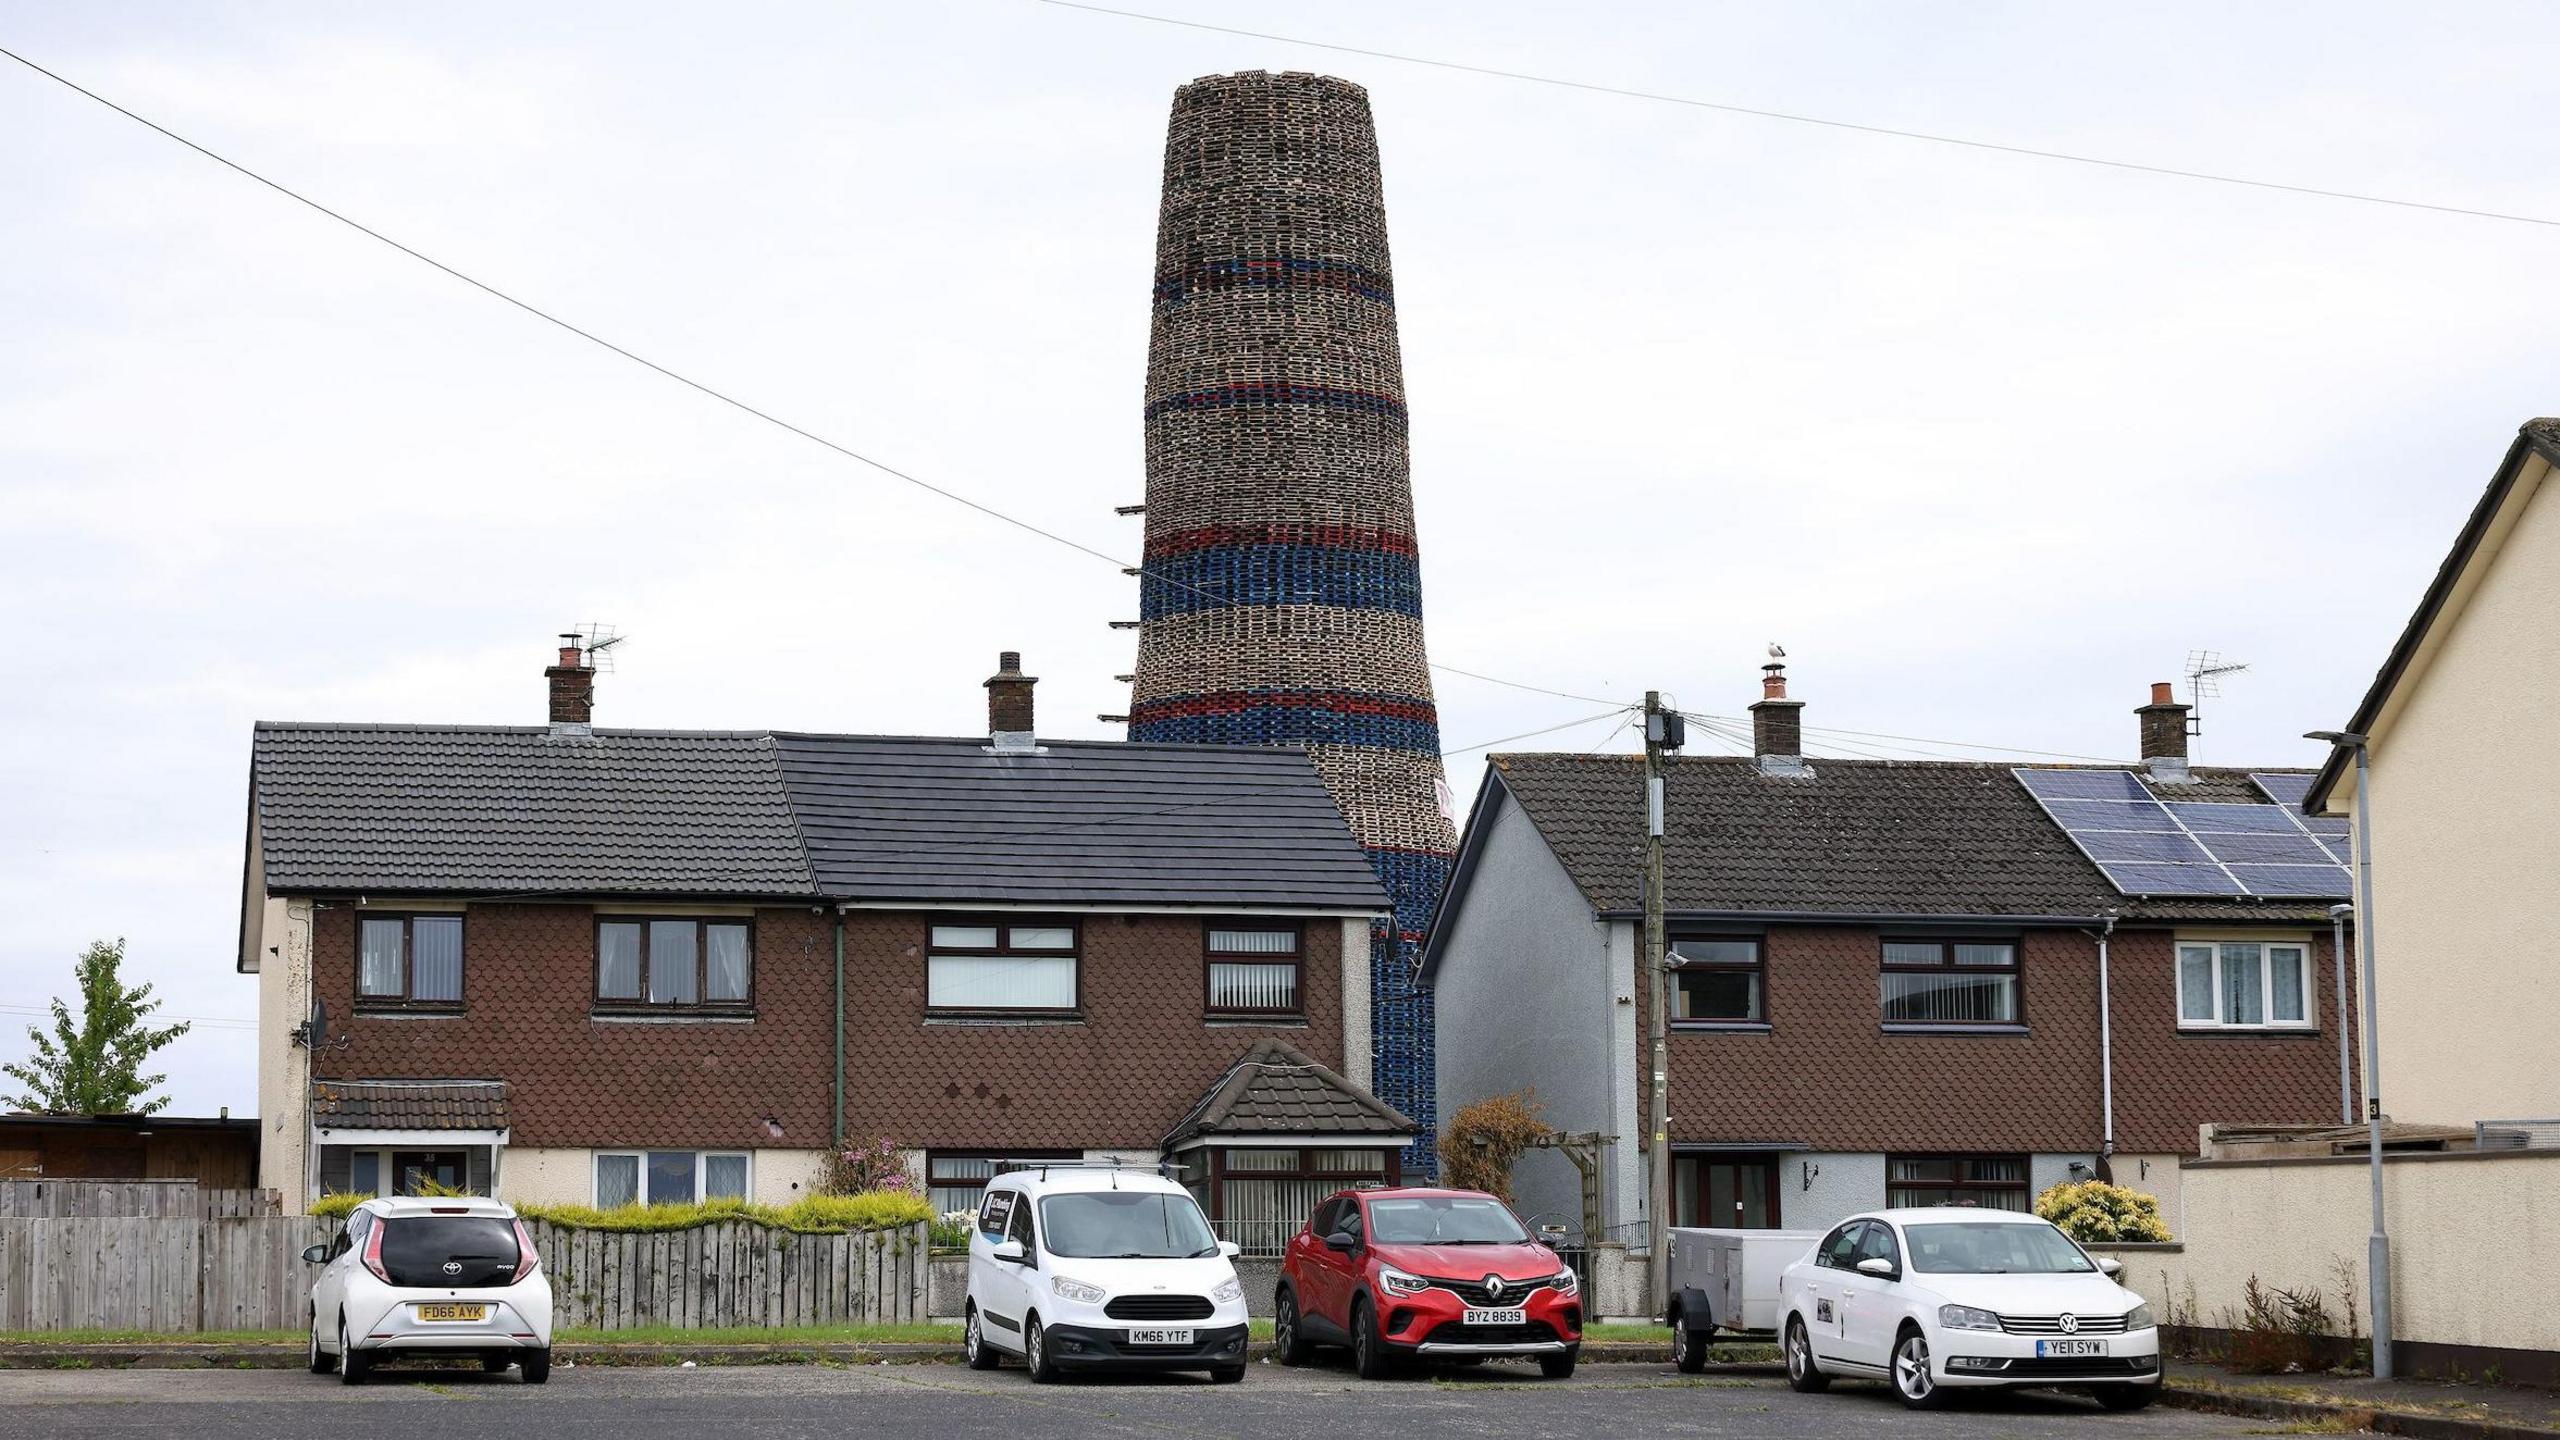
(33, 1199)
(172, 1274)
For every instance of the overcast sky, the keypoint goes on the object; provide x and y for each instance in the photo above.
(1988, 442)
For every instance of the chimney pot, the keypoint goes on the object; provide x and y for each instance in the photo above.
(1009, 716)
(2160, 692)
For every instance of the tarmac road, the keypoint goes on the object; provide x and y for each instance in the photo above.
(785, 1402)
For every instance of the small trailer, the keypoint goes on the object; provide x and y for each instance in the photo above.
(1727, 1280)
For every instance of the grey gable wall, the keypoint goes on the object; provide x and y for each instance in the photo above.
(1526, 996)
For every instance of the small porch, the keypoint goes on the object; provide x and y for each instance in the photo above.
(1276, 1134)
(407, 1137)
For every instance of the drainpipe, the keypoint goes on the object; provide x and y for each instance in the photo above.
(839, 1087)
(2338, 916)
(2106, 1057)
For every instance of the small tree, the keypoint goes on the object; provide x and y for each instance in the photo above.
(94, 1067)
(2094, 1212)
(1485, 1139)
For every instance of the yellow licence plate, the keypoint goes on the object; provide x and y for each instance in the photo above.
(453, 1312)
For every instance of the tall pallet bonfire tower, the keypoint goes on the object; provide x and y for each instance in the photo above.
(1281, 602)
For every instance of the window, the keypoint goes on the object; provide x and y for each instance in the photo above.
(675, 963)
(1951, 982)
(1718, 980)
(1029, 966)
(1993, 1182)
(2244, 985)
(1878, 1244)
(409, 961)
(993, 1213)
(1253, 969)
(669, 1177)
(408, 1172)
(956, 1180)
(1840, 1245)
(1264, 1194)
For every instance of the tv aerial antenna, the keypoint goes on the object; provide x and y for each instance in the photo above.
(2205, 669)
(598, 640)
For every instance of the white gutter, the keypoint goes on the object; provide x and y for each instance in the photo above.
(2106, 1051)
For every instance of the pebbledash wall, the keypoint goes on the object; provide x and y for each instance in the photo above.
(1115, 1077)
(1281, 602)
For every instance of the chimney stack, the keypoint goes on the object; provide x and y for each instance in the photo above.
(1777, 724)
(1009, 705)
(573, 686)
(2164, 736)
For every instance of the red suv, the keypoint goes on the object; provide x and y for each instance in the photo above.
(1428, 1274)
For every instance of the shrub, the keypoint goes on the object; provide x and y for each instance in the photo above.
(336, 1207)
(2281, 1332)
(863, 1167)
(870, 1210)
(2094, 1212)
(1485, 1139)
(814, 1214)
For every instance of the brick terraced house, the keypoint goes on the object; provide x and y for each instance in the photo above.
(1895, 982)
(564, 963)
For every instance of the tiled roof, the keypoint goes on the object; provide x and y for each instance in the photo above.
(491, 809)
(409, 1104)
(1854, 837)
(488, 810)
(1275, 1090)
(1075, 822)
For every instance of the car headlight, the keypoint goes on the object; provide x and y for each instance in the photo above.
(1566, 1283)
(1076, 1290)
(2140, 1319)
(1966, 1317)
(1229, 1290)
(1397, 1282)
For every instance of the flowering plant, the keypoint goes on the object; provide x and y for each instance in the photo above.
(866, 1166)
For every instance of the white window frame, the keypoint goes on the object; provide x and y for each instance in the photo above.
(640, 1158)
(2266, 982)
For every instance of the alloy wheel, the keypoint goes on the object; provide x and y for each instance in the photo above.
(969, 1340)
(1284, 1325)
(1911, 1368)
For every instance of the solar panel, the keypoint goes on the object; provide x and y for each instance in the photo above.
(2190, 847)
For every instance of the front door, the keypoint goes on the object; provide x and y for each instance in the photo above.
(1871, 1305)
(1727, 1192)
(429, 1172)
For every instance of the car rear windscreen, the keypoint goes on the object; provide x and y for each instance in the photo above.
(448, 1250)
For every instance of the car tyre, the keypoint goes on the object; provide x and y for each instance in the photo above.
(1288, 1335)
(1369, 1348)
(973, 1343)
(2126, 1397)
(1912, 1379)
(1804, 1374)
(1688, 1347)
(1035, 1352)
(537, 1365)
(352, 1363)
(1559, 1367)
(322, 1362)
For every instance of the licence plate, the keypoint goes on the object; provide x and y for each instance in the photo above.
(453, 1312)
(2067, 1348)
(1160, 1337)
(1511, 1315)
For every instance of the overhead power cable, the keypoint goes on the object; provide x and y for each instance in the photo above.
(689, 382)
(1794, 118)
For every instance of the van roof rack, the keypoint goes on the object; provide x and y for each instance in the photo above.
(1113, 1163)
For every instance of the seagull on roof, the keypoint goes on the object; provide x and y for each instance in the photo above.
(1777, 651)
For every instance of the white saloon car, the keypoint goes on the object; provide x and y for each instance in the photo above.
(1955, 1296)
(441, 1275)
(1093, 1266)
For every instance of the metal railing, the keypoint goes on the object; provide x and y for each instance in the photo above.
(2516, 1134)
(1259, 1239)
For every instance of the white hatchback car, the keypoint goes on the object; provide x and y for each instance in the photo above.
(437, 1275)
(1079, 1266)
(1955, 1296)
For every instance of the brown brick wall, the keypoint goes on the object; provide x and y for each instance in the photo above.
(1120, 1078)
(1826, 1075)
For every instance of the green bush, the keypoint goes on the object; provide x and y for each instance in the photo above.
(2094, 1212)
(336, 1207)
(815, 1214)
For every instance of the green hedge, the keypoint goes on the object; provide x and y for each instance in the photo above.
(2094, 1212)
(814, 1214)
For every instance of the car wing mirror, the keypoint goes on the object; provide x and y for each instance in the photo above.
(1009, 1251)
(1341, 1240)
(1879, 1267)
(315, 1255)
(2110, 1267)
(1230, 1249)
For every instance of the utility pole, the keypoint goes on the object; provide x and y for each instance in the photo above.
(2377, 1244)
(1662, 733)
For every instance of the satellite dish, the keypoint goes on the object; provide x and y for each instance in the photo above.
(315, 1031)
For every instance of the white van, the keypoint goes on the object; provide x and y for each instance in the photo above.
(1096, 1265)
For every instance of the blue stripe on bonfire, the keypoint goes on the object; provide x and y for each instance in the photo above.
(1225, 575)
